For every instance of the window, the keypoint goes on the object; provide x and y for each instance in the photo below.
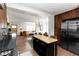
(30, 27)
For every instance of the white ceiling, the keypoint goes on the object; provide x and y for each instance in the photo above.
(52, 8)
(17, 16)
(28, 11)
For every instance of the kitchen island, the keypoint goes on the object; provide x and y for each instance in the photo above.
(44, 45)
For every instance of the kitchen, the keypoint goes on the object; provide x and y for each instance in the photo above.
(41, 28)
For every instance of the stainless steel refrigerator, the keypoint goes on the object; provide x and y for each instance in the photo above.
(70, 35)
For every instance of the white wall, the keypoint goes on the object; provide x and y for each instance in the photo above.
(24, 25)
(43, 23)
(51, 25)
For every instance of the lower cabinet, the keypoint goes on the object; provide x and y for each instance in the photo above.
(44, 49)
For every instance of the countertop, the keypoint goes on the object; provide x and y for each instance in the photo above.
(45, 39)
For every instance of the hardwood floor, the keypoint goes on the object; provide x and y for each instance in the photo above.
(21, 44)
(63, 52)
(24, 48)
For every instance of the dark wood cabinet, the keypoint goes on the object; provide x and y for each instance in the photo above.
(3, 17)
(64, 16)
(70, 14)
(44, 49)
(58, 27)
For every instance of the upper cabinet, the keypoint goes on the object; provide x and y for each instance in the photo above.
(77, 12)
(71, 14)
